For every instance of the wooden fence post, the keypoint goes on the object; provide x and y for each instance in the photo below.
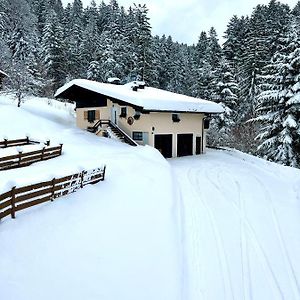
(43, 152)
(20, 158)
(60, 150)
(103, 173)
(12, 202)
(81, 179)
(53, 189)
(5, 142)
(27, 140)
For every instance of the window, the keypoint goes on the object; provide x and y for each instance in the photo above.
(123, 112)
(175, 118)
(137, 115)
(137, 135)
(206, 123)
(91, 116)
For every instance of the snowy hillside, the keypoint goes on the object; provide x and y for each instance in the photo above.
(113, 240)
(241, 227)
(224, 225)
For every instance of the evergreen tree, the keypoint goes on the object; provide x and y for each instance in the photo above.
(141, 34)
(52, 52)
(201, 50)
(214, 50)
(279, 104)
(234, 45)
(255, 57)
(91, 36)
(94, 71)
(226, 89)
(20, 46)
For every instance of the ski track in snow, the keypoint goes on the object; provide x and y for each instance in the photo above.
(192, 217)
(285, 254)
(222, 256)
(202, 220)
(255, 243)
(289, 267)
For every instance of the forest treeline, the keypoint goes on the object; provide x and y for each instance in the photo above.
(254, 75)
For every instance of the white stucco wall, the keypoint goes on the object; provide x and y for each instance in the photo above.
(161, 122)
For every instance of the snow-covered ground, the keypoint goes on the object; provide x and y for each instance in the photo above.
(224, 225)
(113, 240)
(241, 227)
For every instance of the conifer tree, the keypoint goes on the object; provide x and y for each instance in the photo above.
(279, 104)
(214, 50)
(225, 93)
(52, 52)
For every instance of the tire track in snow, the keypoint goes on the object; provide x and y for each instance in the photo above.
(197, 242)
(245, 265)
(288, 264)
(246, 274)
(180, 218)
(267, 266)
(222, 256)
(191, 229)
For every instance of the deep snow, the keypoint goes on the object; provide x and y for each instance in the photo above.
(241, 220)
(113, 240)
(224, 225)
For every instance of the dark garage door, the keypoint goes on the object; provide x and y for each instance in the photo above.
(163, 142)
(184, 144)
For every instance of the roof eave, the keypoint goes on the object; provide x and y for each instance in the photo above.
(179, 111)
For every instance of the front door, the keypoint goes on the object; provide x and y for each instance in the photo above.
(114, 115)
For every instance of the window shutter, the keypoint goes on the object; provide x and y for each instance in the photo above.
(85, 115)
(97, 115)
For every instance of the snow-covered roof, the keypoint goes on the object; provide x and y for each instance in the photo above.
(113, 79)
(3, 74)
(150, 99)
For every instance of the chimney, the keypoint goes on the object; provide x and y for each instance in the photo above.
(141, 84)
(114, 80)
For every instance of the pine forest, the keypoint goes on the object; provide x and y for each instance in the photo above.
(254, 74)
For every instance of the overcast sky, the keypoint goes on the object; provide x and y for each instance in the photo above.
(185, 19)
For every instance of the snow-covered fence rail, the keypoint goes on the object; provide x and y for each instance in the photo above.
(20, 142)
(19, 198)
(24, 159)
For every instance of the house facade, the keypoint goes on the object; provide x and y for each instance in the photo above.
(174, 124)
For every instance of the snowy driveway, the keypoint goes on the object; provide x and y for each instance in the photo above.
(241, 227)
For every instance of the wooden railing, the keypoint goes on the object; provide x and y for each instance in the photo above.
(19, 198)
(24, 159)
(20, 142)
(110, 124)
(126, 137)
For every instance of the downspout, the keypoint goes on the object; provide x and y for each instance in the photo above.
(202, 142)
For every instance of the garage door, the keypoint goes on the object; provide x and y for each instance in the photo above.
(185, 144)
(163, 142)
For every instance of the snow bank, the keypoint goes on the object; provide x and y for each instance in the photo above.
(113, 240)
(241, 227)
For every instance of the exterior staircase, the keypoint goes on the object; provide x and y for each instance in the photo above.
(112, 130)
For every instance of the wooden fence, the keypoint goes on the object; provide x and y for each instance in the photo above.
(20, 142)
(24, 159)
(19, 198)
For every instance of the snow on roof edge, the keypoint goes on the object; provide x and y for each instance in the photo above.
(150, 99)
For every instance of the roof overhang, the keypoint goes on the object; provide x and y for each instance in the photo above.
(147, 99)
